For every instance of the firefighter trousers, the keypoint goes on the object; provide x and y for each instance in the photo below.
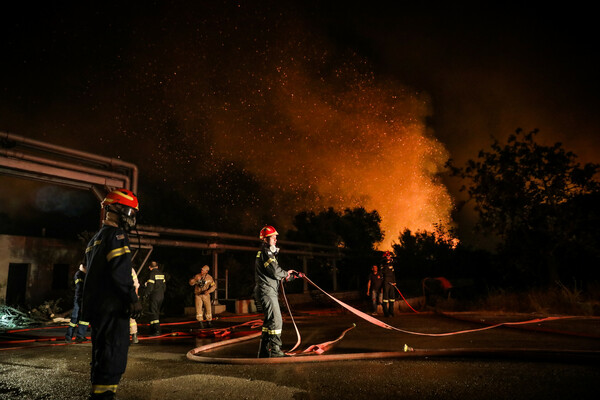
(389, 299)
(154, 304)
(203, 307)
(110, 344)
(273, 321)
(75, 323)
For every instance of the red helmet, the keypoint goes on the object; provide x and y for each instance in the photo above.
(121, 196)
(267, 231)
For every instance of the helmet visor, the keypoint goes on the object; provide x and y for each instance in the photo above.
(128, 211)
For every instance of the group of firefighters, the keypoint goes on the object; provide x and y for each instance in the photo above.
(153, 293)
(106, 295)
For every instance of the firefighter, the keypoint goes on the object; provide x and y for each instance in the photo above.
(76, 322)
(268, 275)
(389, 283)
(155, 294)
(109, 297)
(204, 285)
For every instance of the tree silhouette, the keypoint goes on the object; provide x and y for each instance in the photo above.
(355, 230)
(524, 192)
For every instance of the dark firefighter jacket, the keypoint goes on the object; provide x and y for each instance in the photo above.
(79, 279)
(267, 272)
(387, 270)
(108, 287)
(156, 284)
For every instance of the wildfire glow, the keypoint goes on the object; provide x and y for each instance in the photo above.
(314, 124)
(350, 142)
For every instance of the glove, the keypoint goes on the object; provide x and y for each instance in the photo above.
(292, 274)
(135, 310)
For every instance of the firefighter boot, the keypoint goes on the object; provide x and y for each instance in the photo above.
(262, 350)
(155, 329)
(108, 395)
(385, 308)
(69, 334)
(391, 308)
(209, 324)
(274, 346)
(134, 338)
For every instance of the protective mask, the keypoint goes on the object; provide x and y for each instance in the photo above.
(274, 249)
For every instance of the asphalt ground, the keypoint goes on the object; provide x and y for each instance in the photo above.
(548, 360)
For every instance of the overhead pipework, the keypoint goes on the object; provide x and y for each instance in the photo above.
(220, 242)
(32, 159)
(27, 158)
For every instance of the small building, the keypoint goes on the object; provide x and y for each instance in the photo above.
(36, 269)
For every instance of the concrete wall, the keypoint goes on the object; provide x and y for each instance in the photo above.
(40, 254)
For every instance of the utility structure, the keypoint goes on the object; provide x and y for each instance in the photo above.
(27, 158)
(219, 242)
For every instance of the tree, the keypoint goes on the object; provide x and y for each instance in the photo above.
(521, 190)
(421, 254)
(355, 230)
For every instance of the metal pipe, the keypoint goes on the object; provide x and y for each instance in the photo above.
(60, 164)
(76, 154)
(53, 173)
(219, 246)
(221, 235)
(215, 263)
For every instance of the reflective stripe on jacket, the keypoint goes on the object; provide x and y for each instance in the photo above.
(267, 272)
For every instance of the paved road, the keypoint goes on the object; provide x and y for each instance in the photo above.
(159, 369)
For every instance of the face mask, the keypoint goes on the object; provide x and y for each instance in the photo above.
(273, 249)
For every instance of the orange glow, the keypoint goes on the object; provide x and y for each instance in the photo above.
(348, 141)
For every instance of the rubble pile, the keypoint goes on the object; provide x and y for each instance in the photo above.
(13, 318)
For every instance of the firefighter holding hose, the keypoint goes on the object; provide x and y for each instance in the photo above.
(268, 276)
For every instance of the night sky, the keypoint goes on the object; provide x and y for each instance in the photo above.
(256, 110)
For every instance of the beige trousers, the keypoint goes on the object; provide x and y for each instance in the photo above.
(132, 326)
(203, 300)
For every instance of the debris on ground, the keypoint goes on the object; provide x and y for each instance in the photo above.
(14, 318)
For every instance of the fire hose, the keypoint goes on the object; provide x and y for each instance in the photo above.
(195, 354)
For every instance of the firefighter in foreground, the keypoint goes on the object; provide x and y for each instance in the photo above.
(389, 284)
(155, 293)
(204, 285)
(268, 275)
(109, 297)
(76, 321)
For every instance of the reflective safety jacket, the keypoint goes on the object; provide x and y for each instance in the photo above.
(267, 272)
(156, 283)
(387, 270)
(203, 284)
(108, 287)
